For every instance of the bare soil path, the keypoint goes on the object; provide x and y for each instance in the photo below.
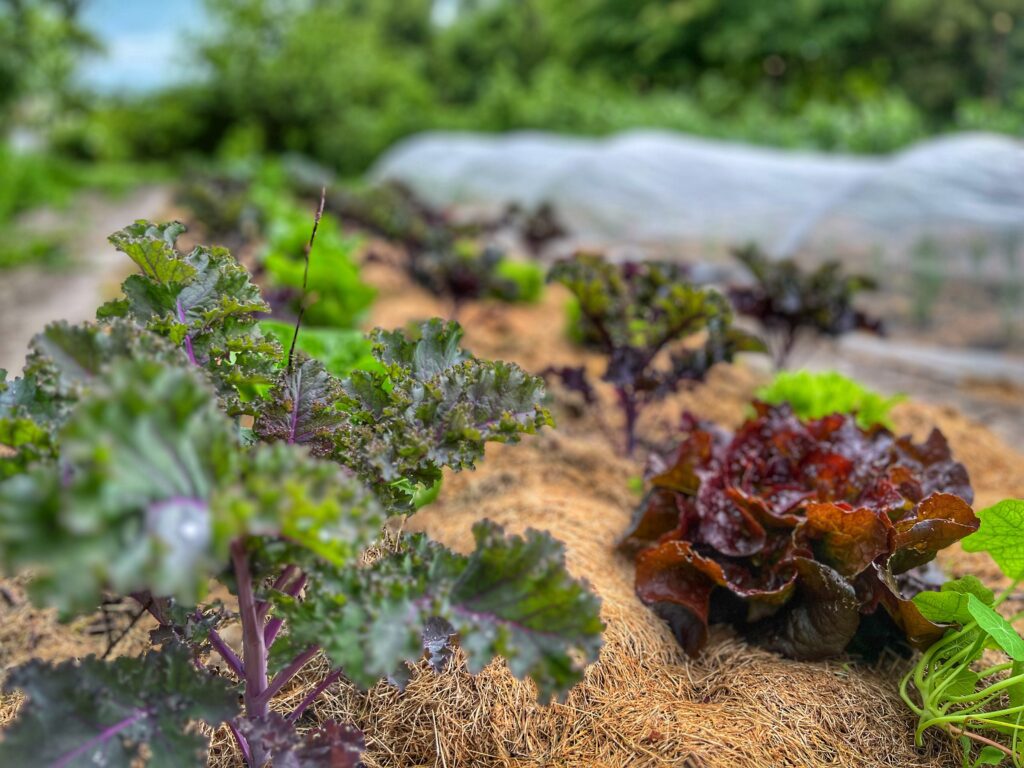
(31, 297)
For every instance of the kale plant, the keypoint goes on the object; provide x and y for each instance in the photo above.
(642, 316)
(955, 686)
(129, 473)
(789, 302)
(447, 259)
(806, 535)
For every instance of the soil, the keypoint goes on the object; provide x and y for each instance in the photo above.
(644, 703)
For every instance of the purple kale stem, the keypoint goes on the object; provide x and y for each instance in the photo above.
(188, 337)
(254, 650)
(243, 744)
(281, 678)
(264, 605)
(312, 695)
(100, 738)
(229, 656)
(274, 625)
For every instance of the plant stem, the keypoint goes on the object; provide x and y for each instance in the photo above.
(273, 626)
(281, 678)
(254, 650)
(627, 401)
(279, 584)
(312, 695)
(305, 276)
(243, 744)
(229, 656)
(979, 738)
(188, 336)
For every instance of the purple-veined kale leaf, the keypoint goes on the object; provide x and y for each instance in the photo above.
(512, 597)
(93, 712)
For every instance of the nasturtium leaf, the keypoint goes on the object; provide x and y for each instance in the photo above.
(119, 713)
(511, 597)
(999, 629)
(127, 507)
(302, 408)
(1001, 535)
(943, 607)
(964, 683)
(988, 756)
(949, 605)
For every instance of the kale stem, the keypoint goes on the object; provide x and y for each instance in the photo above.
(229, 656)
(254, 651)
(273, 626)
(279, 584)
(281, 678)
(243, 744)
(312, 695)
(188, 336)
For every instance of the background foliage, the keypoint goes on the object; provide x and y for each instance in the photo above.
(343, 80)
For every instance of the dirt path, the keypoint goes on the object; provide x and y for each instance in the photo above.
(31, 297)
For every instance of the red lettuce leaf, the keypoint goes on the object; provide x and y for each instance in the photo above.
(796, 531)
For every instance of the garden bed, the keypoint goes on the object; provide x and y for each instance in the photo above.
(644, 703)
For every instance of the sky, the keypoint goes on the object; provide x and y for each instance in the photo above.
(142, 40)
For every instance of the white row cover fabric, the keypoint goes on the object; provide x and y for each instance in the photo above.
(663, 189)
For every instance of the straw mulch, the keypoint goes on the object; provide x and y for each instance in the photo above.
(643, 703)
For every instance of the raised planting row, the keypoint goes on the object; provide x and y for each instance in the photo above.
(185, 444)
(130, 472)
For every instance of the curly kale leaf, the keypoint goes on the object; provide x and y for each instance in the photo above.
(432, 406)
(203, 301)
(282, 492)
(93, 712)
(127, 507)
(25, 415)
(638, 314)
(63, 363)
(302, 409)
(511, 597)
